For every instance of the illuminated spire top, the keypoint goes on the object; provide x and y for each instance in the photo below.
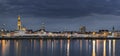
(18, 17)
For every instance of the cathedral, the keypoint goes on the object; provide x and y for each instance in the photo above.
(19, 25)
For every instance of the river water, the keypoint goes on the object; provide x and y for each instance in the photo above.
(60, 47)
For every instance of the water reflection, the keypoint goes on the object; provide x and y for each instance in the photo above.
(113, 47)
(5, 47)
(0, 42)
(53, 47)
(17, 45)
(109, 47)
(86, 45)
(104, 48)
(34, 45)
(97, 45)
(80, 47)
(93, 50)
(61, 47)
(68, 47)
(41, 47)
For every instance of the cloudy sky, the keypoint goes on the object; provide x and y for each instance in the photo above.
(59, 15)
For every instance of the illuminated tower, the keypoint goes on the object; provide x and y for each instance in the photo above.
(19, 25)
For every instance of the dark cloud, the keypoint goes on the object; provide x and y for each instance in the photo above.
(59, 8)
(94, 14)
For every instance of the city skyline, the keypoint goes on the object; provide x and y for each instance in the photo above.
(65, 27)
(58, 15)
(59, 27)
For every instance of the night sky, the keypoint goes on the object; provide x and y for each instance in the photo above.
(59, 15)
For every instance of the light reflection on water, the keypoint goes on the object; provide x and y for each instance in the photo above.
(93, 49)
(109, 47)
(62, 47)
(68, 47)
(114, 48)
(104, 47)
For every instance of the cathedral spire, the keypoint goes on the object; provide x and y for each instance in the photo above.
(19, 26)
(113, 29)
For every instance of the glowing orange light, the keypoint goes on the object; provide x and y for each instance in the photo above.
(93, 51)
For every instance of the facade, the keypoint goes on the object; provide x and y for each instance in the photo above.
(82, 29)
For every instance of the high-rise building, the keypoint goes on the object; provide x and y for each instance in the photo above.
(19, 25)
(82, 29)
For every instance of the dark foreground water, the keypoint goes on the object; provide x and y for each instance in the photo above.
(53, 47)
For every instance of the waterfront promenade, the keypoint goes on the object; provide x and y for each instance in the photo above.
(46, 37)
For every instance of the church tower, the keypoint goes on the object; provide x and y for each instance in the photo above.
(42, 27)
(19, 25)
